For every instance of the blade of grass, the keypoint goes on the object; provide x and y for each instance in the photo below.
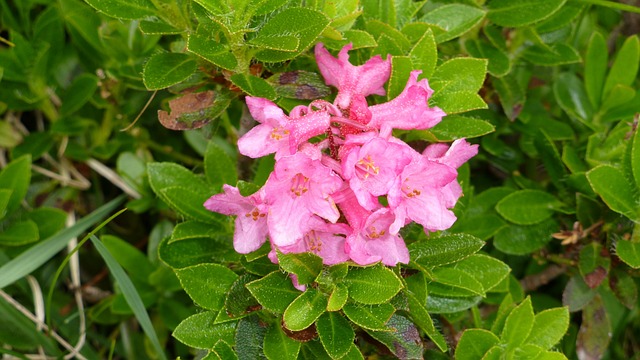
(38, 254)
(130, 294)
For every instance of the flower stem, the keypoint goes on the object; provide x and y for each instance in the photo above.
(613, 5)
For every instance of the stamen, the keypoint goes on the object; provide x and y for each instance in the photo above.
(255, 214)
(314, 242)
(279, 133)
(366, 167)
(299, 184)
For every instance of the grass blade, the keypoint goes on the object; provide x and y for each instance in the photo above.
(130, 294)
(38, 254)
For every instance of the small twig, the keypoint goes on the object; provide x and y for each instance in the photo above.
(532, 282)
(74, 266)
(38, 305)
(141, 111)
(65, 181)
(44, 326)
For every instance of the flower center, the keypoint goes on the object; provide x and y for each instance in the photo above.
(366, 167)
(299, 184)
(278, 133)
(314, 242)
(255, 214)
(374, 234)
(408, 190)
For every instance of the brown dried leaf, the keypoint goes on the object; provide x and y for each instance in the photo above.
(193, 110)
(303, 85)
(595, 331)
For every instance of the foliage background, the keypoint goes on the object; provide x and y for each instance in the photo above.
(144, 98)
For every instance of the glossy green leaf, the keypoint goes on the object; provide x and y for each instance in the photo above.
(572, 97)
(217, 53)
(5, 196)
(130, 294)
(122, 9)
(166, 69)
(335, 333)
(557, 54)
(239, 300)
(614, 189)
(282, 42)
(249, 339)
(201, 332)
(304, 310)
(193, 251)
(446, 304)
(157, 27)
(475, 343)
(459, 74)
(420, 316)
(455, 102)
(619, 95)
(487, 270)
(521, 240)
(371, 317)
(455, 19)
(521, 13)
(528, 207)
(254, 86)
(424, 54)
(443, 250)
(279, 346)
(79, 92)
(129, 257)
(207, 284)
(459, 279)
(595, 68)
(372, 285)
(338, 298)
(302, 23)
(453, 127)
(498, 62)
(401, 66)
(629, 252)
(219, 167)
(382, 30)
(19, 233)
(274, 292)
(549, 326)
(518, 325)
(625, 66)
(16, 176)
(306, 266)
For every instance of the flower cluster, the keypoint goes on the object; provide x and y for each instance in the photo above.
(325, 197)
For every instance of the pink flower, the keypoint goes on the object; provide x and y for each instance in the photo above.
(372, 168)
(277, 132)
(418, 195)
(299, 187)
(323, 239)
(251, 221)
(407, 111)
(374, 242)
(352, 80)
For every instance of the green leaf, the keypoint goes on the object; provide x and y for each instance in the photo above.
(5, 196)
(508, 13)
(624, 288)
(157, 27)
(124, 9)
(278, 346)
(130, 294)
(401, 67)
(302, 23)
(35, 144)
(219, 168)
(193, 251)
(371, 317)
(338, 298)
(420, 316)
(595, 330)
(281, 42)
(614, 189)
(498, 62)
(455, 102)
(299, 84)
(405, 342)
(459, 74)
(577, 294)
(629, 252)
(619, 95)
(635, 158)
(521, 240)
(335, 333)
(595, 68)
(254, 86)
(551, 158)
(249, 339)
(18, 332)
(459, 279)
(475, 343)
(625, 66)
(239, 300)
(359, 38)
(527, 207)
(274, 292)
(201, 332)
(215, 52)
(306, 266)
(443, 250)
(549, 326)
(207, 284)
(518, 325)
(16, 176)
(424, 54)
(557, 54)
(453, 127)
(195, 110)
(131, 259)
(166, 69)
(372, 285)
(572, 97)
(79, 92)
(456, 19)
(437, 304)
(19, 233)
(487, 270)
(304, 310)
(34, 257)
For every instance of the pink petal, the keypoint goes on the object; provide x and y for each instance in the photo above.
(457, 154)
(263, 109)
